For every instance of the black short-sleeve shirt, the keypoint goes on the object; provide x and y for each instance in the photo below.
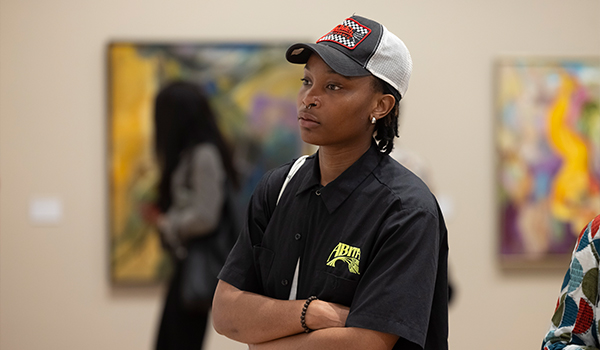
(373, 239)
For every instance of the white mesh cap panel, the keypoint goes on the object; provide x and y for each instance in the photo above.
(391, 62)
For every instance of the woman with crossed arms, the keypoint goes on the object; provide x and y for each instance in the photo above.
(353, 255)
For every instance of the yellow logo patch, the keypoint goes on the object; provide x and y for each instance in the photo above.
(348, 254)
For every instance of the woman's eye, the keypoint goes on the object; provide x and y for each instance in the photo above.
(333, 87)
(305, 81)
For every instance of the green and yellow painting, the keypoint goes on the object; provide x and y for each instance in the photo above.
(252, 89)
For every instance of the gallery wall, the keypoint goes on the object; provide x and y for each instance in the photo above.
(54, 287)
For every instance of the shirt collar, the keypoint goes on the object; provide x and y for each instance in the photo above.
(337, 191)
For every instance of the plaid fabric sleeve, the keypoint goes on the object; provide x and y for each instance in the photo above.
(575, 320)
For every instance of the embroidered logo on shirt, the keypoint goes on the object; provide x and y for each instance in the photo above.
(348, 254)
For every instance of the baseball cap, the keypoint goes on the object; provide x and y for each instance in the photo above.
(358, 47)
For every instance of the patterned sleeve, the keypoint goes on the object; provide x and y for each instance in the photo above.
(575, 321)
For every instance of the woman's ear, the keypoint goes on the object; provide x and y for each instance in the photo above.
(385, 104)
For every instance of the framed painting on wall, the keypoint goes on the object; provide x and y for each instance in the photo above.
(252, 89)
(548, 149)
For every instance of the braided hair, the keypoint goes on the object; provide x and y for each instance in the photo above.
(386, 128)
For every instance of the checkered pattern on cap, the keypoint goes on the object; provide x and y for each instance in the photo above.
(348, 34)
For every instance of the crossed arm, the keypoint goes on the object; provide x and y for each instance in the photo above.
(266, 323)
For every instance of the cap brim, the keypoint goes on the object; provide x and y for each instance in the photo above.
(338, 61)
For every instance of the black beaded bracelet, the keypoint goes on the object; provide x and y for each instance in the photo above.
(303, 315)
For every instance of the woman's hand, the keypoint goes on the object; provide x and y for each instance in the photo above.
(151, 213)
(321, 314)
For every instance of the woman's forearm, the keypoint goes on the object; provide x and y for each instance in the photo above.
(331, 339)
(253, 318)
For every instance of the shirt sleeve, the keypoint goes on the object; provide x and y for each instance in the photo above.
(395, 294)
(198, 195)
(240, 269)
(574, 323)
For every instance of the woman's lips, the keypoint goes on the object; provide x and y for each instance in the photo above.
(307, 120)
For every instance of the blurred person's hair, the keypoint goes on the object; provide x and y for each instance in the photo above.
(183, 119)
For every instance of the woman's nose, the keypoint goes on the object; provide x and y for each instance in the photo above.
(311, 99)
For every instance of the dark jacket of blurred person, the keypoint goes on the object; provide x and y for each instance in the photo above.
(195, 165)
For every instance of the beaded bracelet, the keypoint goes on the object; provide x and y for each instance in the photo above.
(303, 315)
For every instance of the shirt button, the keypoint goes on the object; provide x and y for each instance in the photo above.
(284, 282)
(318, 192)
(298, 236)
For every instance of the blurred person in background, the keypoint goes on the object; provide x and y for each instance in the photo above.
(575, 321)
(196, 172)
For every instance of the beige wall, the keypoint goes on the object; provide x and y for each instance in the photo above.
(54, 290)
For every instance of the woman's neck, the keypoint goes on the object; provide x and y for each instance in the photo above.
(334, 161)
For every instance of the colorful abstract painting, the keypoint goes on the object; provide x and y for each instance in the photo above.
(253, 90)
(548, 144)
